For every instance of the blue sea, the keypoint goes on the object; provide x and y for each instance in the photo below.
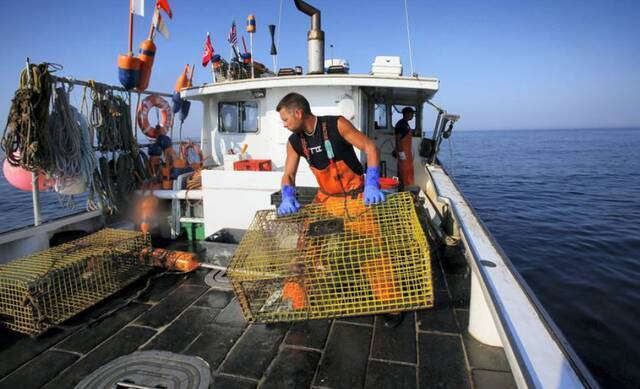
(565, 207)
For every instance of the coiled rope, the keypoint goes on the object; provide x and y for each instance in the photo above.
(26, 139)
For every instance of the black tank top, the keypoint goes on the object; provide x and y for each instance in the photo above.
(343, 150)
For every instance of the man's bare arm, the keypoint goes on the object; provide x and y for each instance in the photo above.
(359, 141)
(290, 166)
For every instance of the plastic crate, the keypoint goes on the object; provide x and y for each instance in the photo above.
(253, 164)
(304, 195)
(194, 231)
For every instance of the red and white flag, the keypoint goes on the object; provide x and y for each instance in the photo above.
(164, 5)
(160, 26)
(137, 7)
(233, 35)
(208, 51)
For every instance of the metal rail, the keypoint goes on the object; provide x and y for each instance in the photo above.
(113, 87)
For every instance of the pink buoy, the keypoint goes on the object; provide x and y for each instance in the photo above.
(20, 178)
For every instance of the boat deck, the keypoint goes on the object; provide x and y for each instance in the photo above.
(197, 314)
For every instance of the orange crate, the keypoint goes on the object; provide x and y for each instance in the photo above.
(253, 164)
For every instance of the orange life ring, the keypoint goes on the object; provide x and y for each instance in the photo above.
(166, 116)
(184, 152)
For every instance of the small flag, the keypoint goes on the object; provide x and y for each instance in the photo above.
(233, 36)
(164, 5)
(137, 7)
(208, 51)
(160, 26)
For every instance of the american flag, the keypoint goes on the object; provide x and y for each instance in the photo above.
(233, 35)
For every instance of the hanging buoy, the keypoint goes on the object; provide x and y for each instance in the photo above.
(146, 56)
(177, 102)
(20, 178)
(166, 116)
(128, 71)
(184, 110)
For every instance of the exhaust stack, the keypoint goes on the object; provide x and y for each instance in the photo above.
(315, 38)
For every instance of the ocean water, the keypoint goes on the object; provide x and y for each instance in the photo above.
(16, 209)
(565, 207)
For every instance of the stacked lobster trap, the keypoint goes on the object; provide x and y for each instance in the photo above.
(333, 259)
(44, 289)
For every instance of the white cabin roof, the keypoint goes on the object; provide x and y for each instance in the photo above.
(401, 88)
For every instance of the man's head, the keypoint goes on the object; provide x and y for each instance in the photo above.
(293, 109)
(407, 113)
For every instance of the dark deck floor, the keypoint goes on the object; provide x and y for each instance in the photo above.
(184, 314)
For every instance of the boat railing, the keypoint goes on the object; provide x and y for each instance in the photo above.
(530, 337)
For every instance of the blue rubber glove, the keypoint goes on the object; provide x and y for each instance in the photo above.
(372, 192)
(289, 203)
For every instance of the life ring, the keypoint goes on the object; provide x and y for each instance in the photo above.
(184, 152)
(166, 116)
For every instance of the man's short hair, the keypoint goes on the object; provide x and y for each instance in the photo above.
(294, 101)
(407, 110)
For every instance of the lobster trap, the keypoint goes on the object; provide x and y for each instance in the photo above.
(332, 259)
(44, 289)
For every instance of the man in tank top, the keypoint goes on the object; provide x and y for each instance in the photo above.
(327, 144)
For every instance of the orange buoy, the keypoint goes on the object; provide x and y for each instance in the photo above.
(293, 291)
(146, 55)
(183, 80)
(166, 116)
(128, 71)
(172, 260)
(21, 178)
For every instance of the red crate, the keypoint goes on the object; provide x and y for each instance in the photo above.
(253, 164)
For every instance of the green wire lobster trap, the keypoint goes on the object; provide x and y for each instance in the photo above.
(333, 259)
(44, 289)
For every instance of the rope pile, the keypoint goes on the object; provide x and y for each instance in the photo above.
(45, 133)
(26, 140)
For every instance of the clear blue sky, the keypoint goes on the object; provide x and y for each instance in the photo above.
(502, 64)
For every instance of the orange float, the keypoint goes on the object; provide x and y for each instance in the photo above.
(166, 116)
(146, 57)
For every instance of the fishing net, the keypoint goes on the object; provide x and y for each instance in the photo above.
(333, 259)
(44, 289)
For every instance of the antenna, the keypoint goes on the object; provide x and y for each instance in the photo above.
(406, 14)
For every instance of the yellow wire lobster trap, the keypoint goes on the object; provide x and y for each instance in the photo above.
(332, 259)
(44, 289)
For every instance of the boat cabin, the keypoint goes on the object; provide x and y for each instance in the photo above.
(238, 113)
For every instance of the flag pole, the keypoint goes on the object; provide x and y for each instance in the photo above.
(251, 47)
(152, 29)
(213, 71)
(130, 27)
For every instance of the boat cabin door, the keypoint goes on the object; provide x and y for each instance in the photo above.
(382, 118)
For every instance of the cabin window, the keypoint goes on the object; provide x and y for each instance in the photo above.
(238, 116)
(249, 112)
(380, 119)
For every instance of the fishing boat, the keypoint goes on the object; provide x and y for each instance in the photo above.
(486, 330)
